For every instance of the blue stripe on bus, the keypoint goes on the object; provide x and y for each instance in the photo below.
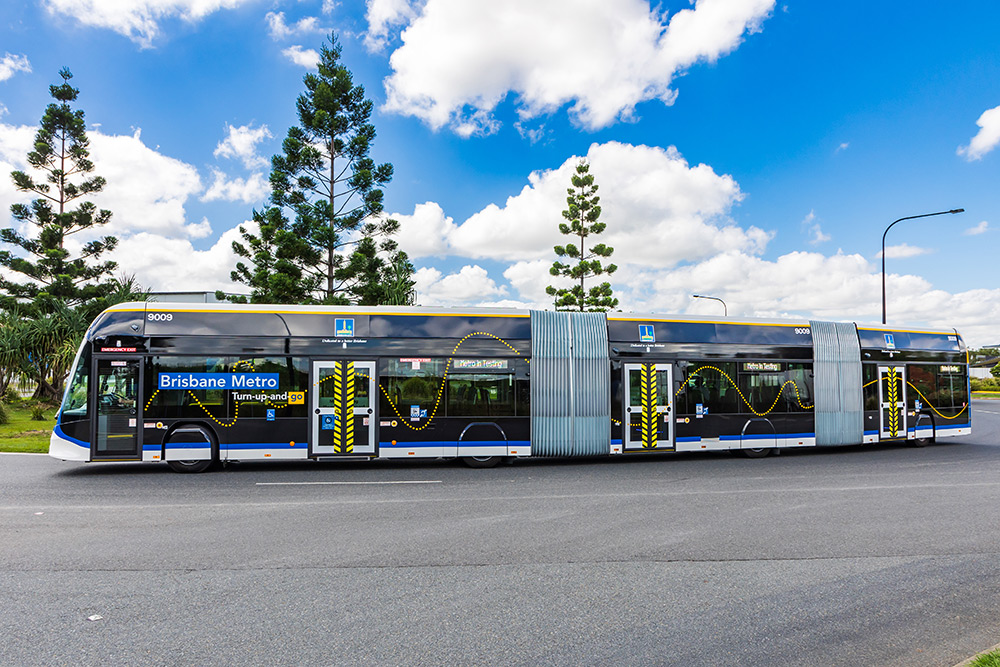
(765, 436)
(177, 445)
(80, 443)
(454, 443)
(690, 438)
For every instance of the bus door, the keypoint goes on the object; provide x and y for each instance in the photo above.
(649, 407)
(892, 402)
(117, 429)
(343, 405)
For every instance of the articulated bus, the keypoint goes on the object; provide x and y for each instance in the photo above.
(194, 384)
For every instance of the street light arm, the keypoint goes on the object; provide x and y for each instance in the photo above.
(909, 217)
(725, 308)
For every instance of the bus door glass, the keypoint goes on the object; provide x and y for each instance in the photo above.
(116, 393)
(892, 401)
(649, 407)
(343, 404)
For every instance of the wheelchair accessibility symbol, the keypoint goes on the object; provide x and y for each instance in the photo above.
(327, 421)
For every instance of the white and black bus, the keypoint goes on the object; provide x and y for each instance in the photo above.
(192, 384)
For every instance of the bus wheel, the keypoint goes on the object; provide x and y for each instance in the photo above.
(756, 453)
(193, 433)
(190, 466)
(922, 442)
(481, 461)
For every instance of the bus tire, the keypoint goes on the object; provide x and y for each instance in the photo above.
(200, 465)
(757, 452)
(191, 466)
(481, 461)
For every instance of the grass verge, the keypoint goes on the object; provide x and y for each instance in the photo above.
(990, 659)
(986, 394)
(22, 434)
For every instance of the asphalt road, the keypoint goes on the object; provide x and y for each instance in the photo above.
(856, 556)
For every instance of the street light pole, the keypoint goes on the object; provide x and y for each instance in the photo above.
(909, 217)
(725, 310)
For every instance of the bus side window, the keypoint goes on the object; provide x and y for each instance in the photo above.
(869, 382)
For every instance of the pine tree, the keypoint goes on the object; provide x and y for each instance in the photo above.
(274, 276)
(54, 275)
(583, 213)
(340, 245)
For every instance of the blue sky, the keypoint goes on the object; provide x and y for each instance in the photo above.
(750, 149)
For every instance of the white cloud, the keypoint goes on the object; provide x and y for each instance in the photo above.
(302, 57)
(659, 210)
(139, 20)
(986, 139)
(458, 60)
(199, 230)
(807, 285)
(15, 142)
(530, 280)
(130, 167)
(280, 30)
(241, 144)
(174, 265)
(247, 190)
(386, 15)
(652, 194)
(981, 228)
(471, 284)
(842, 147)
(11, 65)
(813, 228)
(150, 222)
(426, 232)
(902, 251)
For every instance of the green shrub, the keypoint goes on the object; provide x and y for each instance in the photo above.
(985, 384)
(38, 412)
(10, 396)
(4, 414)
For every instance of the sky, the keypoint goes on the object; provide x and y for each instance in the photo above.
(752, 150)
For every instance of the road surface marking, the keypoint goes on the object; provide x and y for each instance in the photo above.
(405, 481)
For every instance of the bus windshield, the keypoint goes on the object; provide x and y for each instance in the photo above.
(74, 403)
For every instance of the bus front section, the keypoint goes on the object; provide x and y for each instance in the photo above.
(100, 413)
(71, 436)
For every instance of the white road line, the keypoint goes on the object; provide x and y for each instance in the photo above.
(405, 481)
(989, 412)
(501, 499)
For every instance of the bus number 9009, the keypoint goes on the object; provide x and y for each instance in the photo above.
(802, 330)
(159, 317)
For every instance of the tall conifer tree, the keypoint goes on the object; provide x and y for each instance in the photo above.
(61, 151)
(338, 245)
(583, 213)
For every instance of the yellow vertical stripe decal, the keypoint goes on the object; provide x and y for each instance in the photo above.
(349, 408)
(338, 402)
(647, 392)
(893, 401)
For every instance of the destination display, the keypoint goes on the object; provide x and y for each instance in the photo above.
(762, 367)
(217, 381)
